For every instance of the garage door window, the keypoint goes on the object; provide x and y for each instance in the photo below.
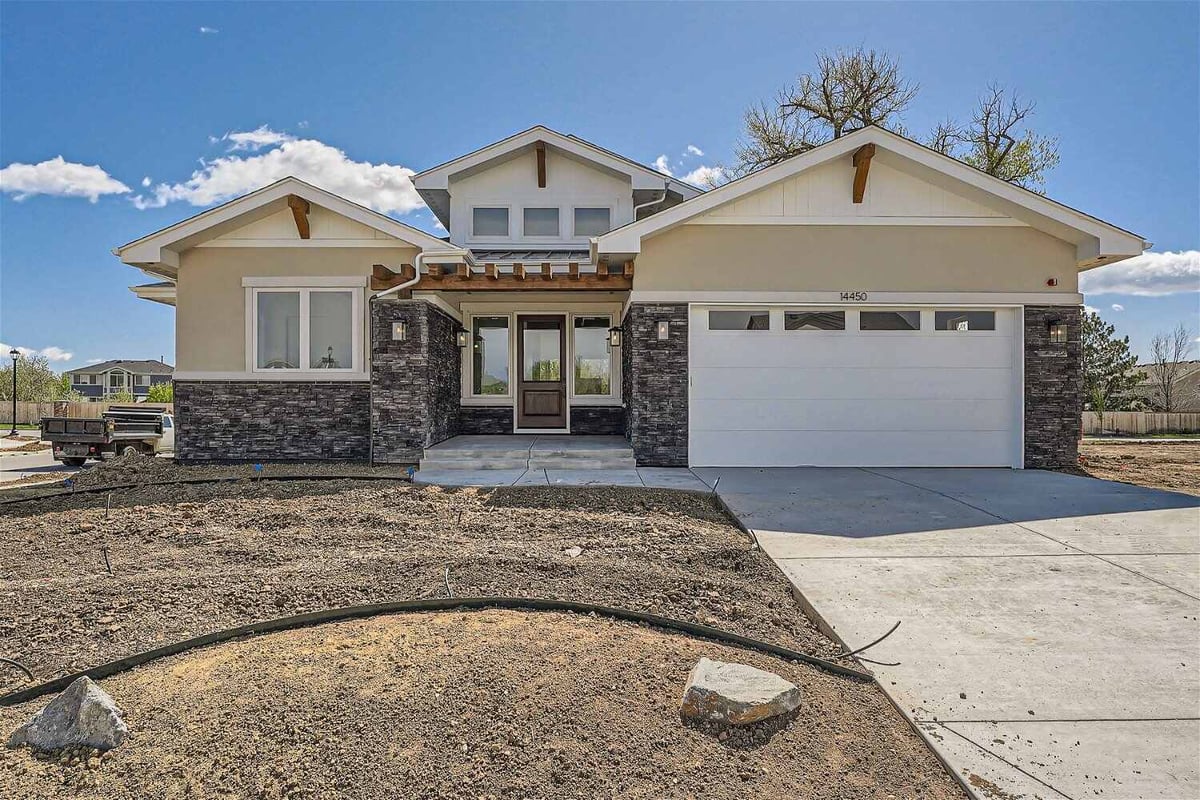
(889, 321)
(964, 320)
(739, 320)
(814, 320)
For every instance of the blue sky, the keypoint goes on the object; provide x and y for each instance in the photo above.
(153, 91)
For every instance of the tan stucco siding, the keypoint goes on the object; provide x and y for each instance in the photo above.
(879, 258)
(210, 317)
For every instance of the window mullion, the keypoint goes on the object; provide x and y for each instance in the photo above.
(304, 365)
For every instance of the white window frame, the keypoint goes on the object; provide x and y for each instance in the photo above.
(549, 237)
(612, 213)
(772, 323)
(355, 286)
(469, 359)
(473, 237)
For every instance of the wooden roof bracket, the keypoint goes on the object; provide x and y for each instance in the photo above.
(862, 165)
(540, 148)
(299, 208)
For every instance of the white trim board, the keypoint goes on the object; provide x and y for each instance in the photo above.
(318, 376)
(873, 298)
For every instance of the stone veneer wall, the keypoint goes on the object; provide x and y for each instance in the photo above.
(271, 420)
(598, 420)
(416, 383)
(655, 386)
(1053, 388)
(485, 419)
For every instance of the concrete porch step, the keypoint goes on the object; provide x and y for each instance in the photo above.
(535, 452)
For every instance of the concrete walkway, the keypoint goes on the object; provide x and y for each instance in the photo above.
(1050, 643)
(652, 477)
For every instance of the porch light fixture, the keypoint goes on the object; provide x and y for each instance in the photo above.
(614, 337)
(1058, 331)
(399, 331)
(664, 330)
(463, 336)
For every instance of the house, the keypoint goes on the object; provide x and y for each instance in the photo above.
(870, 302)
(1185, 388)
(97, 381)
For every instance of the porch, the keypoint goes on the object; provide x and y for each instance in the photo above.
(544, 460)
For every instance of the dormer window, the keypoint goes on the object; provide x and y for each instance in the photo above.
(592, 221)
(541, 222)
(489, 222)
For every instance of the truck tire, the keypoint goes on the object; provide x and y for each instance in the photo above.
(74, 462)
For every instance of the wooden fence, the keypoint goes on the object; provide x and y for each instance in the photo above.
(31, 413)
(1136, 423)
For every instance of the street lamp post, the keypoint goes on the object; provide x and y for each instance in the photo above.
(14, 353)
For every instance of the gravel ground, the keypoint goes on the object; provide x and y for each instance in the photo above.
(492, 704)
(187, 560)
(1168, 465)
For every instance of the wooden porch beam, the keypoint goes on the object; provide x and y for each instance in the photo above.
(492, 271)
(383, 278)
(540, 148)
(517, 283)
(300, 209)
(547, 272)
(573, 270)
(519, 271)
(627, 270)
(464, 272)
(862, 165)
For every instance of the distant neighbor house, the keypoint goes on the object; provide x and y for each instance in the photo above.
(871, 302)
(96, 382)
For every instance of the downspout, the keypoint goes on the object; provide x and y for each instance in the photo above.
(656, 201)
(417, 263)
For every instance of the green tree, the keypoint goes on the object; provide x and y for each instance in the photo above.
(161, 393)
(1109, 374)
(121, 396)
(997, 141)
(36, 382)
(852, 89)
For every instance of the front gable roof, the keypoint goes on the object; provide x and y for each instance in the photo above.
(974, 194)
(433, 184)
(159, 252)
(143, 366)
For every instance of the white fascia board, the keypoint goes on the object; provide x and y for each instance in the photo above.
(641, 176)
(157, 247)
(155, 294)
(1110, 242)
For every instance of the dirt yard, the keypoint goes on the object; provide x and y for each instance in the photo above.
(191, 559)
(494, 704)
(1168, 465)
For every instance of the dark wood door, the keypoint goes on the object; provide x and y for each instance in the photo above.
(542, 376)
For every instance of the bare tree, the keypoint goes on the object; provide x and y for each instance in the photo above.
(1169, 352)
(848, 90)
(996, 141)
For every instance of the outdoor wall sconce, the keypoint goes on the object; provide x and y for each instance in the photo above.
(463, 336)
(664, 330)
(1058, 332)
(399, 331)
(614, 337)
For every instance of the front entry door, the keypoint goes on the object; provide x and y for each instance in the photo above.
(542, 382)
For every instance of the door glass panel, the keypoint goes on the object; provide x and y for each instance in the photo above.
(964, 320)
(739, 320)
(889, 321)
(541, 349)
(490, 352)
(593, 368)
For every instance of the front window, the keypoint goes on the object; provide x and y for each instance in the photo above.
(541, 222)
(489, 222)
(489, 337)
(304, 329)
(116, 379)
(142, 380)
(592, 221)
(593, 361)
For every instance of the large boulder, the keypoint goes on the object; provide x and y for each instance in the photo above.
(84, 715)
(735, 694)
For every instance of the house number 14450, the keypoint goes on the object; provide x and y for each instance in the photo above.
(856, 296)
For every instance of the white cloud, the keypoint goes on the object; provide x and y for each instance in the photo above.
(302, 124)
(1118, 307)
(695, 151)
(257, 139)
(662, 165)
(705, 177)
(146, 181)
(1091, 310)
(58, 178)
(94, 360)
(384, 187)
(51, 353)
(1149, 274)
(206, 29)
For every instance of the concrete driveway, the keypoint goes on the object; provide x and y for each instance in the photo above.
(1050, 643)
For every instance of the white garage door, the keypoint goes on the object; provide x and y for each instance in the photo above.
(790, 386)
